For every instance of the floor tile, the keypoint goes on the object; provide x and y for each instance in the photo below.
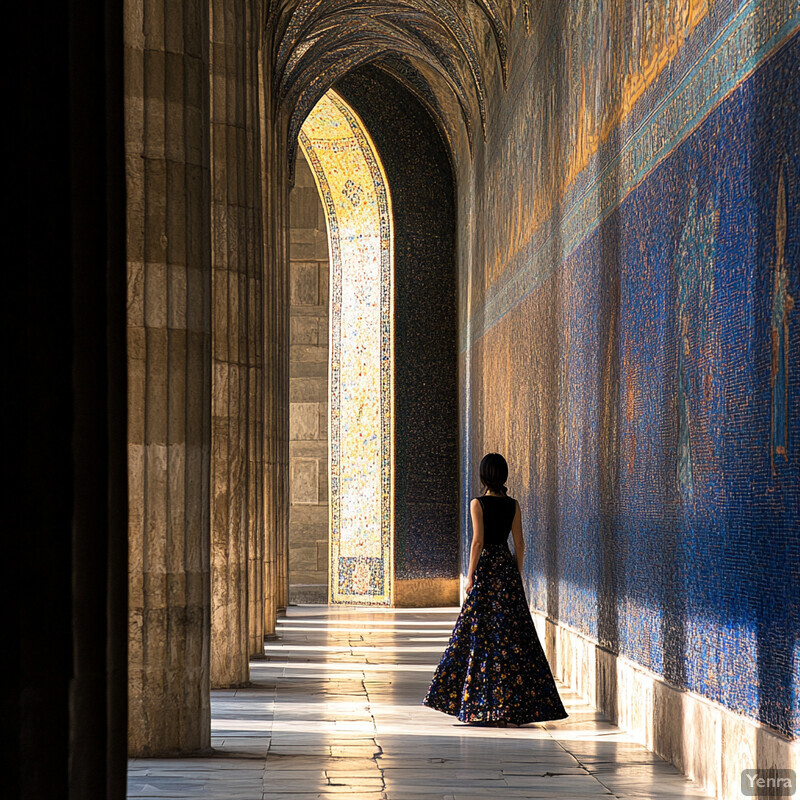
(335, 710)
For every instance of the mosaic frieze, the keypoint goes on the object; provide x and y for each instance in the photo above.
(645, 112)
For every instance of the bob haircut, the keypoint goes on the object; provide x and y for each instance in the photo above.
(494, 472)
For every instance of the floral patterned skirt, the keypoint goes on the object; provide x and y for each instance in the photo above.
(494, 670)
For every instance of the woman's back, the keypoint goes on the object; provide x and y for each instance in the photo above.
(494, 670)
(498, 514)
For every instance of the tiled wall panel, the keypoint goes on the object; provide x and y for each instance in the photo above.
(629, 272)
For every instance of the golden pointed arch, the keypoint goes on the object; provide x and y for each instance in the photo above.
(355, 196)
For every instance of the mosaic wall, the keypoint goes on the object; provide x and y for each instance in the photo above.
(356, 199)
(630, 267)
(426, 528)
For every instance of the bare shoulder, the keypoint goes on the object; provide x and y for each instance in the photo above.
(474, 504)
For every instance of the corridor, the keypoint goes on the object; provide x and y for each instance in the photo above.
(334, 709)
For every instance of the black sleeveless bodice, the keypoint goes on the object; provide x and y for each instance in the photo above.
(498, 514)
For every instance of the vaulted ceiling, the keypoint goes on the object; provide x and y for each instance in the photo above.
(442, 50)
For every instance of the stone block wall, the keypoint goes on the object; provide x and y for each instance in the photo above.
(308, 392)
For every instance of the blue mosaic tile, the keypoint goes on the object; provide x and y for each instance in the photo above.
(644, 386)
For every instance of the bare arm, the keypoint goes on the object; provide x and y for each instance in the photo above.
(519, 542)
(476, 512)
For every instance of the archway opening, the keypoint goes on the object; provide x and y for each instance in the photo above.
(356, 203)
(402, 187)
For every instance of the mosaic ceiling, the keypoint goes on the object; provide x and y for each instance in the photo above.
(434, 47)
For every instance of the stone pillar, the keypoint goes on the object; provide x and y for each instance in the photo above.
(169, 261)
(236, 372)
(284, 337)
(255, 335)
(275, 317)
(64, 566)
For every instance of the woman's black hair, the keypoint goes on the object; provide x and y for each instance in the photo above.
(494, 471)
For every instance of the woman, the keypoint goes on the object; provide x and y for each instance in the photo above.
(494, 671)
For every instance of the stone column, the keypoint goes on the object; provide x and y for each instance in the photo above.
(235, 369)
(255, 338)
(275, 311)
(169, 260)
(284, 337)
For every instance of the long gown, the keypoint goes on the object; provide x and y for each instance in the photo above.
(494, 670)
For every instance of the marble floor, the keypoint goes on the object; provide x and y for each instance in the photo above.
(334, 710)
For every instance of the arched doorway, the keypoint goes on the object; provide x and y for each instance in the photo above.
(357, 206)
(410, 236)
